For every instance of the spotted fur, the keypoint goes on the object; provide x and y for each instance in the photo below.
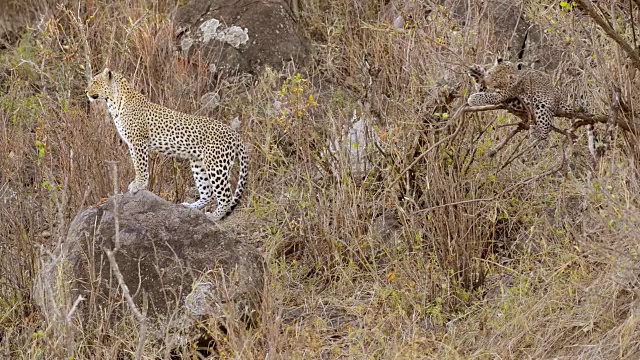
(514, 105)
(211, 146)
(519, 90)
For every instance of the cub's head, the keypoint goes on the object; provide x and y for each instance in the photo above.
(100, 87)
(503, 74)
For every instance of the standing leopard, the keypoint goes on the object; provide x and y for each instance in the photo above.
(211, 146)
(520, 90)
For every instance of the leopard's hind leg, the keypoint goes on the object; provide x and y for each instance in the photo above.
(203, 183)
(221, 181)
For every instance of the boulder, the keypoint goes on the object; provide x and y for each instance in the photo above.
(177, 264)
(241, 35)
(395, 12)
(512, 33)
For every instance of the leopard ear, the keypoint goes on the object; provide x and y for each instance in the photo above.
(498, 60)
(520, 66)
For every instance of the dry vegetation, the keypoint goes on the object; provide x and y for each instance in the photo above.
(435, 251)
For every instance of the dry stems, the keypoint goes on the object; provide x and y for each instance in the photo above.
(436, 251)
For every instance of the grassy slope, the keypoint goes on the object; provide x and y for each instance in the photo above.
(470, 263)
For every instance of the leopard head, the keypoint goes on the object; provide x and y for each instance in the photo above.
(503, 74)
(101, 86)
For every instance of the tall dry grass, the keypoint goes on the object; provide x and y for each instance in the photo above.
(449, 254)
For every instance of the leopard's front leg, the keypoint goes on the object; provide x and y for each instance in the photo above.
(486, 98)
(140, 157)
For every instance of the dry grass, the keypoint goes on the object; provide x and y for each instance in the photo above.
(452, 257)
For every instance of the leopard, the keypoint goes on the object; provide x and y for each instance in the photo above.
(523, 92)
(211, 146)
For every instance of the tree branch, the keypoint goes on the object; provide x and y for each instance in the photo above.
(584, 119)
(521, 126)
(587, 6)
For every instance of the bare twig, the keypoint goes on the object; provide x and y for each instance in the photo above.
(47, 269)
(111, 254)
(137, 23)
(74, 308)
(508, 125)
(85, 48)
(457, 203)
(510, 188)
(614, 112)
(467, 109)
(614, 119)
(591, 145)
(521, 126)
(295, 8)
(35, 67)
(515, 154)
(461, 111)
(61, 201)
(612, 124)
(631, 15)
(81, 27)
(524, 124)
(566, 133)
(633, 26)
(544, 174)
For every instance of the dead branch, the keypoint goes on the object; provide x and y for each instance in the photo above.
(515, 155)
(467, 109)
(613, 120)
(633, 26)
(74, 308)
(585, 119)
(463, 109)
(524, 124)
(591, 145)
(507, 125)
(613, 115)
(587, 6)
(545, 174)
(529, 180)
(612, 124)
(566, 133)
(111, 255)
(521, 126)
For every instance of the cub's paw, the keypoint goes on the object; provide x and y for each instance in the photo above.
(476, 71)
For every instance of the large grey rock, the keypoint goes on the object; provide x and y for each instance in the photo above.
(512, 33)
(183, 263)
(241, 35)
(396, 11)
